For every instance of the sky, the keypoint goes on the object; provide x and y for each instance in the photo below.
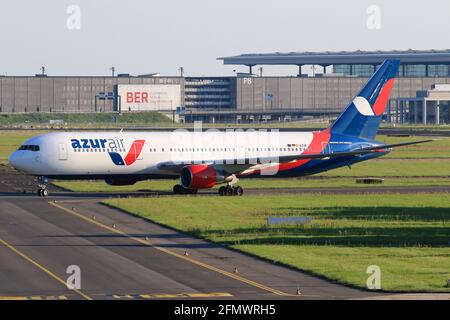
(87, 37)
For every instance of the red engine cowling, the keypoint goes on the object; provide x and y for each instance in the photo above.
(200, 176)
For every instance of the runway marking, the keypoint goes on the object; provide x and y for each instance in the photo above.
(35, 263)
(61, 297)
(171, 295)
(172, 253)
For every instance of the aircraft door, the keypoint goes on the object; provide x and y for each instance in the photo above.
(62, 152)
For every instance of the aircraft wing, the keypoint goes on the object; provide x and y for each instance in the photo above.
(237, 165)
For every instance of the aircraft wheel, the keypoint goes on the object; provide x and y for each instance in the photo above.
(42, 192)
(238, 191)
(178, 189)
(229, 191)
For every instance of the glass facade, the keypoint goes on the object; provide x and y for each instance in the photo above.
(438, 70)
(414, 70)
(363, 70)
(342, 69)
(360, 70)
(407, 70)
(208, 93)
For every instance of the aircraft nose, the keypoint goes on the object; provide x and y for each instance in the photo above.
(13, 159)
(17, 161)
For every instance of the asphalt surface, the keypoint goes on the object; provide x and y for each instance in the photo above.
(125, 257)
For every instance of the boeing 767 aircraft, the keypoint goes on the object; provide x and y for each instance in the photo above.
(203, 159)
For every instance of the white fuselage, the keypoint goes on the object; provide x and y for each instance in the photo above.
(89, 153)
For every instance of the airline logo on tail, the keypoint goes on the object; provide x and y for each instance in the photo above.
(380, 104)
(132, 155)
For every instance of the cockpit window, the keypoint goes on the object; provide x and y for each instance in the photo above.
(29, 147)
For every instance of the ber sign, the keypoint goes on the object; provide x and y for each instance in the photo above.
(148, 97)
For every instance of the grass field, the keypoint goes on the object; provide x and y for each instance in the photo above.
(155, 119)
(407, 237)
(328, 182)
(440, 148)
(84, 119)
(10, 140)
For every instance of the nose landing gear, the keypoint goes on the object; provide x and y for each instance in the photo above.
(42, 190)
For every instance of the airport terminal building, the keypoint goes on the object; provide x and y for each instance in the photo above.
(421, 93)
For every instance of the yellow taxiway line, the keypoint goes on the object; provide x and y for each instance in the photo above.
(172, 295)
(22, 298)
(172, 253)
(41, 267)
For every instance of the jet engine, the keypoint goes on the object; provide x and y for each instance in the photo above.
(200, 176)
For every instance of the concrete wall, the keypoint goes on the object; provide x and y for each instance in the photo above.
(66, 94)
(327, 94)
(77, 94)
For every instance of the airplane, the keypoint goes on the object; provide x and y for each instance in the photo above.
(203, 159)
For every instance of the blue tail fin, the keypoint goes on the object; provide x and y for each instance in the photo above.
(362, 116)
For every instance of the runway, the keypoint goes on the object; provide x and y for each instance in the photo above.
(125, 257)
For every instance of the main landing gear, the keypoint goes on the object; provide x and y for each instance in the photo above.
(42, 190)
(179, 189)
(231, 191)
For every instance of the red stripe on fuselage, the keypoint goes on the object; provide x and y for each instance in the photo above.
(135, 151)
(380, 104)
(318, 144)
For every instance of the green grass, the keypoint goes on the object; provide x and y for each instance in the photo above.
(440, 148)
(84, 119)
(428, 127)
(394, 168)
(408, 237)
(10, 140)
(332, 182)
(402, 269)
